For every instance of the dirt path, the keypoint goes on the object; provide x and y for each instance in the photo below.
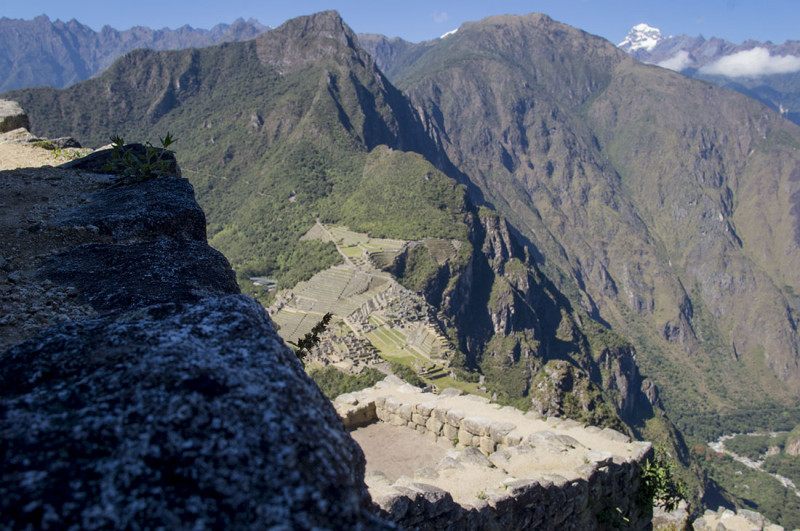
(338, 249)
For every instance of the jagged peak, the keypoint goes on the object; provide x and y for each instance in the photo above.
(303, 40)
(641, 37)
(323, 24)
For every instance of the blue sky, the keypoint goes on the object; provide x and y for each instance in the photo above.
(416, 20)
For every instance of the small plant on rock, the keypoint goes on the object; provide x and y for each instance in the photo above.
(659, 485)
(134, 168)
(311, 339)
(69, 154)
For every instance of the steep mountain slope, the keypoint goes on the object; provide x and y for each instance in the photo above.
(281, 130)
(765, 71)
(40, 52)
(272, 130)
(664, 206)
(392, 55)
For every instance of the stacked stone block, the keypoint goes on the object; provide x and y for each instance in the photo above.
(603, 497)
(600, 493)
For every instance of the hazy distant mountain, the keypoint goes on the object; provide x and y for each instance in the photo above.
(40, 52)
(767, 72)
(392, 55)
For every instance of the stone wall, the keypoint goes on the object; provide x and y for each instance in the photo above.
(506, 469)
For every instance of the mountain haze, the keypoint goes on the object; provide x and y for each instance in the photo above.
(58, 54)
(765, 71)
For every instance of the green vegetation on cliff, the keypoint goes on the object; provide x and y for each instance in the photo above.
(334, 382)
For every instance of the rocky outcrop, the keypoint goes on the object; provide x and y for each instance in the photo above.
(792, 446)
(171, 401)
(521, 333)
(12, 116)
(728, 520)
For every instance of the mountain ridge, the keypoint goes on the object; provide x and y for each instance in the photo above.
(642, 197)
(42, 52)
(583, 145)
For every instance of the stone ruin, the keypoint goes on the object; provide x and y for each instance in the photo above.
(344, 351)
(500, 468)
(727, 520)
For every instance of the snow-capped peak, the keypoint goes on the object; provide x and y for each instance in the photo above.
(641, 37)
(451, 32)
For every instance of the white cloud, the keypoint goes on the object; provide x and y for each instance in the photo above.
(451, 32)
(678, 62)
(752, 63)
(439, 17)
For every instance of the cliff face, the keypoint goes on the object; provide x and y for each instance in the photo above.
(511, 323)
(159, 395)
(662, 206)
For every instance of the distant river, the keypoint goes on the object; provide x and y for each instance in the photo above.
(719, 446)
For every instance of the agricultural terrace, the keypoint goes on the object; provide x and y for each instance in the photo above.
(370, 304)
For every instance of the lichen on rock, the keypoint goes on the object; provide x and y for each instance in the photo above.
(172, 403)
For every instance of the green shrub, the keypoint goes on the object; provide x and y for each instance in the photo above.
(659, 485)
(408, 374)
(44, 144)
(304, 345)
(125, 162)
(334, 382)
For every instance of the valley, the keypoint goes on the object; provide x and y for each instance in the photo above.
(758, 462)
(756, 472)
(548, 221)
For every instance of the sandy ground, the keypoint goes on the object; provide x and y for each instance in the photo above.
(398, 452)
(14, 155)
